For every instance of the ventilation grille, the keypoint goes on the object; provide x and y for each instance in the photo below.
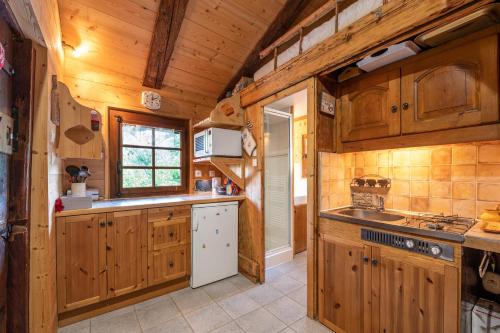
(397, 241)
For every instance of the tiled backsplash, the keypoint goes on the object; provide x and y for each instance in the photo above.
(458, 179)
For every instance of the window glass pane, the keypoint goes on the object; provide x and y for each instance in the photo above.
(167, 158)
(137, 156)
(167, 138)
(137, 135)
(137, 178)
(168, 177)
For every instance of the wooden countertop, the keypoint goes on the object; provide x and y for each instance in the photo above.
(478, 239)
(114, 205)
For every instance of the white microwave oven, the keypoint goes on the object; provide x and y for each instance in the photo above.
(217, 142)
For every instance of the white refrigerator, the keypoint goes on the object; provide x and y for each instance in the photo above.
(214, 242)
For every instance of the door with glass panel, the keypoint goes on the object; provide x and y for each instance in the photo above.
(149, 153)
(277, 187)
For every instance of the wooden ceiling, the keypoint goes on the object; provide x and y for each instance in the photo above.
(215, 38)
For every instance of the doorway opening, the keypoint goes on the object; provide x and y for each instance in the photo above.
(285, 181)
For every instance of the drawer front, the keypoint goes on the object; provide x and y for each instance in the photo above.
(168, 233)
(169, 213)
(168, 264)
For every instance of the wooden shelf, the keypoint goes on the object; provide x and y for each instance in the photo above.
(231, 167)
(227, 114)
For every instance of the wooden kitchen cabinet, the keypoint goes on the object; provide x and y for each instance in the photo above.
(344, 285)
(126, 251)
(367, 287)
(451, 88)
(169, 243)
(369, 106)
(81, 261)
(411, 294)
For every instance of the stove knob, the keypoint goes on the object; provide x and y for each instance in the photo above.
(436, 250)
(409, 243)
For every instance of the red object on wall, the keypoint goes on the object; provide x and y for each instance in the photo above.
(2, 56)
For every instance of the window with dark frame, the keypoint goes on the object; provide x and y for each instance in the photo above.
(148, 154)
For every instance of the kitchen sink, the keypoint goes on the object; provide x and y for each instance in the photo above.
(367, 214)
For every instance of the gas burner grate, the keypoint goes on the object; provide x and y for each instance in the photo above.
(446, 223)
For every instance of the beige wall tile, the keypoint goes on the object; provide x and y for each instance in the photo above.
(401, 202)
(402, 173)
(463, 172)
(440, 156)
(464, 154)
(488, 172)
(464, 191)
(383, 159)
(359, 172)
(489, 153)
(440, 189)
(441, 172)
(401, 158)
(420, 157)
(371, 159)
(419, 204)
(466, 208)
(419, 189)
(419, 173)
(488, 192)
(399, 187)
(384, 172)
(440, 206)
(359, 160)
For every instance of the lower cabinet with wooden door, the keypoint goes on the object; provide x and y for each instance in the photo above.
(103, 256)
(366, 287)
(169, 243)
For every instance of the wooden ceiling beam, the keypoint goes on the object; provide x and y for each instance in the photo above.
(283, 21)
(167, 27)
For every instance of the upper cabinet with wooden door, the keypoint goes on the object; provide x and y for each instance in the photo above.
(81, 261)
(369, 106)
(127, 251)
(451, 87)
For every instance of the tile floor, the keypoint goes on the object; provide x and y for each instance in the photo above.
(232, 305)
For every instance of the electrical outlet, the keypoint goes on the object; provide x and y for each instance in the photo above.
(197, 173)
(211, 173)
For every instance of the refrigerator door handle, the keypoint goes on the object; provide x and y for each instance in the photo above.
(196, 222)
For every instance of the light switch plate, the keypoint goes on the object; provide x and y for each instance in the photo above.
(211, 173)
(197, 173)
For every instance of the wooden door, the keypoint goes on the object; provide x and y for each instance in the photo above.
(300, 228)
(81, 261)
(127, 251)
(414, 294)
(369, 106)
(169, 239)
(452, 88)
(344, 285)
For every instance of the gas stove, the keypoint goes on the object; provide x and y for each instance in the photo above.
(451, 226)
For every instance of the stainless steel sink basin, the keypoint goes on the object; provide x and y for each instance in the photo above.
(367, 214)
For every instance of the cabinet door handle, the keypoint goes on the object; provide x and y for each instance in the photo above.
(374, 262)
(366, 259)
(406, 106)
(171, 234)
(110, 223)
(170, 216)
(102, 224)
(394, 109)
(171, 264)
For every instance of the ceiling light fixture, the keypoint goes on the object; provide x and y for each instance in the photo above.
(77, 51)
